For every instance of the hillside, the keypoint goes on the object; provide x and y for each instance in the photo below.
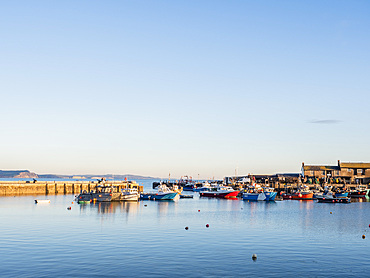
(22, 174)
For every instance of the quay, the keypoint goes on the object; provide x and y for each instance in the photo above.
(11, 188)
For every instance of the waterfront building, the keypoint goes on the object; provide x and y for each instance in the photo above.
(343, 172)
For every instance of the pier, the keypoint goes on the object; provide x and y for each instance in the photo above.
(12, 188)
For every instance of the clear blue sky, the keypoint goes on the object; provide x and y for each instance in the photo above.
(187, 87)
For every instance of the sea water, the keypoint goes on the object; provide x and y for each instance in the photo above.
(149, 239)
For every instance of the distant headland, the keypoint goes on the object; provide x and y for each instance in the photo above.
(26, 174)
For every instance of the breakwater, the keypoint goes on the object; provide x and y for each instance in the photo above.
(8, 188)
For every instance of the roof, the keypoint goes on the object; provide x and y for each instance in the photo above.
(358, 165)
(320, 168)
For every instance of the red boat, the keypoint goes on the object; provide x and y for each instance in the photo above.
(299, 195)
(220, 192)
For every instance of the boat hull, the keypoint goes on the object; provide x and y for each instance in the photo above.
(270, 196)
(225, 195)
(159, 197)
(130, 197)
(334, 200)
(357, 194)
(340, 195)
(298, 196)
(254, 196)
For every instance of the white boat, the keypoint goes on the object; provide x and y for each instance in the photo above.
(38, 201)
(129, 194)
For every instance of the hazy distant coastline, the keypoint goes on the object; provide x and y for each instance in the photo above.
(24, 174)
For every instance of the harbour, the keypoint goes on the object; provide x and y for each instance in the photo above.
(293, 238)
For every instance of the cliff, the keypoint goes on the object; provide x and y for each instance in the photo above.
(21, 174)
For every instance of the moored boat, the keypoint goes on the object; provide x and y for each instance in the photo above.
(332, 198)
(226, 192)
(269, 193)
(358, 192)
(258, 193)
(163, 194)
(129, 194)
(254, 193)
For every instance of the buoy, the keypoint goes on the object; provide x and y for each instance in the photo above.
(69, 208)
(199, 211)
(207, 226)
(72, 202)
(145, 205)
(186, 228)
(363, 236)
(331, 213)
(369, 225)
(241, 208)
(254, 257)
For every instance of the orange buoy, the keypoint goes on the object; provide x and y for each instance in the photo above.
(363, 236)
(207, 226)
(331, 213)
(199, 211)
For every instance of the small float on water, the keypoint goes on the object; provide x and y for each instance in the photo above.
(39, 201)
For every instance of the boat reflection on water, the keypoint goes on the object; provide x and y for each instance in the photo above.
(111, 207)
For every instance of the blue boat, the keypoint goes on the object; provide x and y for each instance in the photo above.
(163, 194)
(259, 194)
(159, 196)
(270, 196)
(341, 194)
(250, 196)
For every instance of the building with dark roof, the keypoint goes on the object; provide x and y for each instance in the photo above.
(343, 172)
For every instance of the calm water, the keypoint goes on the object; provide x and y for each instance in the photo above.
(290, 238)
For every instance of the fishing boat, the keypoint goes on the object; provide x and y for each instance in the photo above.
(257, 193)
(359, 192)
(302, 193)
(220, 191)
(101, 194)
(341, 194)
(269, 193)
(129, 194)
(163, 194)
(332, 198)
(203, 187)
(254, 193)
